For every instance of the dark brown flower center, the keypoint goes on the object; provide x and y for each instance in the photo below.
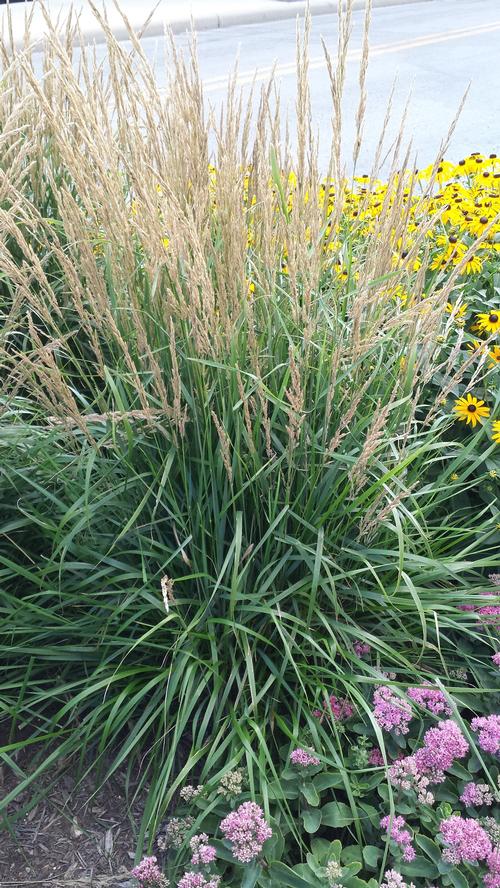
(493, 318)
(471, 408)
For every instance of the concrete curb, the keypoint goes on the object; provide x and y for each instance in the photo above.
(262, 11)
(294, 8)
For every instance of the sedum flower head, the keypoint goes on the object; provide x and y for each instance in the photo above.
(149, 875)
(406, 774)
(231, 783)
(442, 746)
(203, 853)
(492, 827)
(197, 880)
(492, 879)
(247, 831)
(488, 729)
(375, 757)
(361, 648)
(303, 758)
(395, 828)
(431, 699)
(393, 879)
(189, 792)
(460, 674)
(466, 839)
(333, 873)
(476, 794)
(175, 833)
(391, 712)
(340, 709)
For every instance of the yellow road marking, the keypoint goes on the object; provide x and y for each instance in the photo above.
(214, 84)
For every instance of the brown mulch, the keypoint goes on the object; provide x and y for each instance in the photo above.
(74, 836)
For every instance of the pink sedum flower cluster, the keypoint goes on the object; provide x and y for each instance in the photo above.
(488, 729)
(361, 648)
(149, 874)
(496, 659)
(375, 757)
(395, 828)
(442, 746)
(198, 880)
(393, 879)
(489, 611)
(492, 879)
(405, 774)
(466, 839)
(303, 758)
(203, 853)
(476, 794)
(339, 708)
(391, 712)
(431, 699)
(247, 830)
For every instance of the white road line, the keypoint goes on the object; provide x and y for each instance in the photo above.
(215, 84)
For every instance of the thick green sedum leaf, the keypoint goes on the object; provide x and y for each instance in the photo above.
(281, 874)
(310, 793)
(311, 819)
(336, 814)
(371, 855)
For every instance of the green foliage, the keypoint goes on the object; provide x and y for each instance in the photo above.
(223, 465)
(271, 583)
(332, 838)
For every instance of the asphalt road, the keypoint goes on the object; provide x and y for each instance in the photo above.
(432, 51)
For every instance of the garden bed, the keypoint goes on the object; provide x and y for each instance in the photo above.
(250, 532)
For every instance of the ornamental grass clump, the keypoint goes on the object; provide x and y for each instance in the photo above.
(228, 437)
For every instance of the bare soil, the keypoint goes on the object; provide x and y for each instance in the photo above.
(74, 836)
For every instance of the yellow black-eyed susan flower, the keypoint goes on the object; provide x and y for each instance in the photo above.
(494, 354)
(496, 431)
(489, 322)
(471, 410)
(472, 266)
(458, 312)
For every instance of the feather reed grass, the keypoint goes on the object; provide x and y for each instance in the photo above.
(200, 420)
